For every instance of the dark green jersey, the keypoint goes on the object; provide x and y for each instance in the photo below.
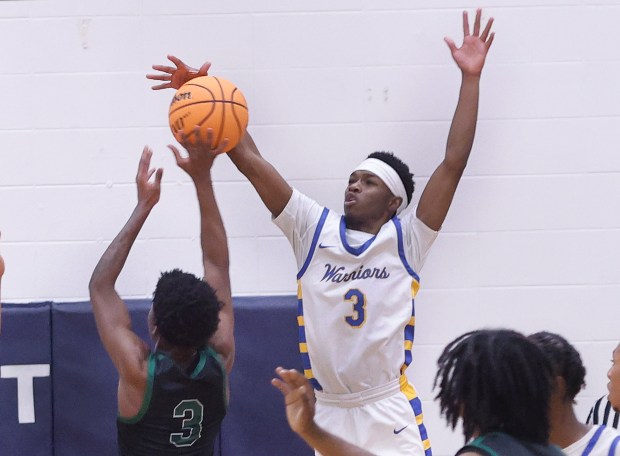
(181, 411)
(499, 444)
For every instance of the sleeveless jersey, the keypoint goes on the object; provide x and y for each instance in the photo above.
(599, 441)
(500, 444)
(181, 411)
(355, 308)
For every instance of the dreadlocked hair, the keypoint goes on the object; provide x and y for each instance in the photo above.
(186, 309)
(401, 168)
(564, 359)
(495, 381)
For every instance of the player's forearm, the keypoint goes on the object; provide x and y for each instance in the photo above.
(463, 127)
(212, 232)
(247, 157)
(272, 188)
(113, 259)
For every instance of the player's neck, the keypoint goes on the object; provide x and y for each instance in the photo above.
(183, 356)
(565, 428)
(366, 226)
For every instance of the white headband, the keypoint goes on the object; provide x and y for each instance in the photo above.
(389, 176)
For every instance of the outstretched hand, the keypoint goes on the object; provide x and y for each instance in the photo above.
(200, 153)
(148, 190)
(176, 77)
(298, 398)
(471, 55)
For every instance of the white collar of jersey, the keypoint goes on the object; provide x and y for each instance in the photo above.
(389, 177)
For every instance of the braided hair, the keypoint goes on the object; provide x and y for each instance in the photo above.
(495, 381)
(565, 361)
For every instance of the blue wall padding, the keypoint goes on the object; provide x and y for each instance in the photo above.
(25, 339)
(85, 381)
(82, 386)
(266, 337)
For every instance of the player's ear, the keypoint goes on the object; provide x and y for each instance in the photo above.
(394, 204)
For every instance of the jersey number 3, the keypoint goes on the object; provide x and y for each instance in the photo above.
(192, 411)
(357, 299)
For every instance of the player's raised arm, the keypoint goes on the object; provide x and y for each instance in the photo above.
(270, 185)
(197, 164)
(127, 351)
(470, 57)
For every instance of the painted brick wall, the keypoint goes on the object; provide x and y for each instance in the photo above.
(531, 241)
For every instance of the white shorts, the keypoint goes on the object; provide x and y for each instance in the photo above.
(381, 420)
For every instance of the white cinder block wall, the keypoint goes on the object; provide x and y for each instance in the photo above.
(532, 239)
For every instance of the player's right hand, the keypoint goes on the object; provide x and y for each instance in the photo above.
(176, 77)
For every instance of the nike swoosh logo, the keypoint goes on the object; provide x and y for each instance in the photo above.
(321, 246)
(400, 430)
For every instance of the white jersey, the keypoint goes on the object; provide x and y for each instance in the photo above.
(356, 318)
(356, 308)
(599, 441)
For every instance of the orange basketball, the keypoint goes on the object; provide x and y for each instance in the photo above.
(209, 102)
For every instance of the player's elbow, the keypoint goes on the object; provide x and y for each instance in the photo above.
(454, 166)
(226, 350)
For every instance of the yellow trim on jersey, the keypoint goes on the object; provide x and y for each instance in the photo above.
(303, 347)
(308, 373)
(408, 344)
(407, 388)
(299, 294)
(415, 286)
(427, 444)
(300, 320)
(411, 321)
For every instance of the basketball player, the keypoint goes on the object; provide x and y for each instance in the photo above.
(498, 383)
(172, 399)
(603, 411)
(574, 437)
(358, 274)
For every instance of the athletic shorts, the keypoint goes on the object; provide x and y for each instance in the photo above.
(380, 420)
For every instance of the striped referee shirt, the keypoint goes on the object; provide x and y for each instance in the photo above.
(603, 413)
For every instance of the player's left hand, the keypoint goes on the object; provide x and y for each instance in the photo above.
(200, 152)
(298, 397)
(148, 190)
(178, 75)
(471, 55)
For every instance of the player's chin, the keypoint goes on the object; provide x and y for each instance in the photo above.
(350, 211)
(614, 398)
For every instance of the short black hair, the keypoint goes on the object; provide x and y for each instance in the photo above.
(564, 359)
(401, 168)
(186, 309)
(495, 381)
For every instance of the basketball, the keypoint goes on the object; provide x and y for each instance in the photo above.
(209, 102)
